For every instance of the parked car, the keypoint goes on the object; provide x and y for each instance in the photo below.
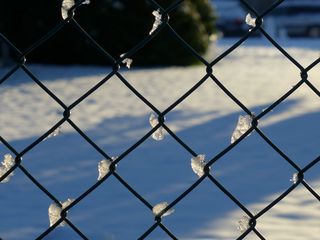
(230, 17)
(295, 18)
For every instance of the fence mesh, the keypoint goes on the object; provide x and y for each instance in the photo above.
(251, 219)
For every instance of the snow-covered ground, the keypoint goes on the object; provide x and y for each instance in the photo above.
(115, 119)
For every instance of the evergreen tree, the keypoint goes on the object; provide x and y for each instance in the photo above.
(117, 25)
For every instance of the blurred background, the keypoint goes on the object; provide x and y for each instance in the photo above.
(118, 25)
(295, 18)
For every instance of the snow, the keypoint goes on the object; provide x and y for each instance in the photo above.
(7, 164)
(158, 135)
(66, 6)
(157, 209)
(244, 224)
(251, 21)
(104, 167)
(243, 125)
(126, 61)
(115, 119)
(197, 164)
(295, 217)
(157, 21)
(8, 161)
(54, 212)
(295, 178)
(55, 133)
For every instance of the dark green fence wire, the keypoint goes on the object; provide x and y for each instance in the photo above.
(252, 218)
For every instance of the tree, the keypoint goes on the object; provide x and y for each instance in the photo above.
(117, 25)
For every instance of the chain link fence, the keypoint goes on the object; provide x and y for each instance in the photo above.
(108, 168)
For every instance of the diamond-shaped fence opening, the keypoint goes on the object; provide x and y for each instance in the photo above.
(44, 113)
(123, 206)
(71, 159)
(67, 217)
(228, 73)
(9, 56)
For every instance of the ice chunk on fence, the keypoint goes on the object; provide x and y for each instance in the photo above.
(7, 163)
(243, 125)
(104, 167)
(244, 224)
(159, 133)
(4, 171)
(251, 21)
(157, 21)
(159, 207)
(55, 133)
(66, 6)
(197, 164)
(295, 178)
(54, 212)
(126, 61)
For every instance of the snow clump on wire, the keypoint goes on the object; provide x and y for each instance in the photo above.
(295, 178)
(55, 133)
(54, 212)
(158, 135)
(244, 224)
(157, 21)
(157, 209)
(126, 61)
(243, 125)
(7, 163)
(197, 164)
(67, 5)
(251, 21)
(104, 167)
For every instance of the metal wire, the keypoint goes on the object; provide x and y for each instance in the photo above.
(209, 76)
